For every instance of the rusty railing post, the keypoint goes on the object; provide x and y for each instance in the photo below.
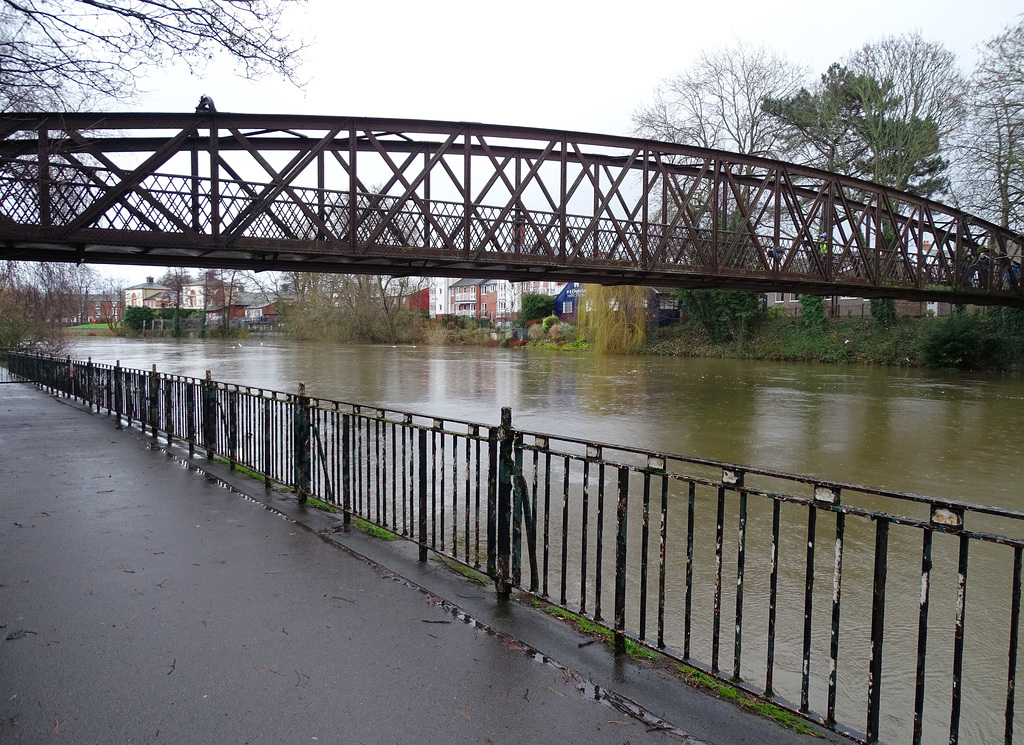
(190, 418)
(346, 474)
(492, 503)
(422, 496)
(268, 461)
(515, 467)
(90, 386)
(877, 630)
(506, 440)
(168, 386)
(620, 561)
(301, 442)
(153, 401)
(118, 391)
(209, 416)
(233, 427)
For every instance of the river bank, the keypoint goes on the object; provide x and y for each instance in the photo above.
(970, 341)
(991, 341)
(841, 341)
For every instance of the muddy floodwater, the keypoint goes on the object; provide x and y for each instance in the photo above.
(951, 435)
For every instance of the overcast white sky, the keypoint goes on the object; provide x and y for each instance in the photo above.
(550, 63)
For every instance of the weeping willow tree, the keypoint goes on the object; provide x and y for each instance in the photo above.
(613, 318)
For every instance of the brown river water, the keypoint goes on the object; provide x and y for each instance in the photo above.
(950, 435)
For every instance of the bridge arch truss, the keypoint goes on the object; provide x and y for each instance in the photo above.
(400, 197)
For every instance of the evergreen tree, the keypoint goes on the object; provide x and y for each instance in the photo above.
(853, 124)
(726, 315)
(535, 307)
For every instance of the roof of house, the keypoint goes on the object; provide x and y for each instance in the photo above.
(261, 298)
(149, 286)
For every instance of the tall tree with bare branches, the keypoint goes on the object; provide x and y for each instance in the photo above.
(716, 102)
(990, 154)
(69, 53)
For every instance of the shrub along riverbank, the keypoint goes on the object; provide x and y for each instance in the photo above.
(965, 341)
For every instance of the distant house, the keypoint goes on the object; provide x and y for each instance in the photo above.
(210, 292)
(855, 307)
(541, 287)
(100, 309)
(418, 300)
(148, 295)
(567, 301)
(262, 310)
(662, 307)
(464, 298)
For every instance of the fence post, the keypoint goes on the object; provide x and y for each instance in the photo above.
(233, 427)
(422, 498)
(877, 629)
(168, 408)
(492, 502)
(620, 561)
(268, 462)
(515, 467)
(209, 416)
(118, 391)
(90, 386)
(302, 430)
(153, 395)
(506, 440)
(190, 418)
(346, 474)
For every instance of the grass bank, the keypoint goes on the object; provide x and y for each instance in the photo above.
(844, 340)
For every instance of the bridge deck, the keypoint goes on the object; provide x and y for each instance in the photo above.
(361, 195)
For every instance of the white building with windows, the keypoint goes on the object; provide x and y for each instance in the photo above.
(497, 300)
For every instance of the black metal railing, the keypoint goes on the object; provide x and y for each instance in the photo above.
(717, 566)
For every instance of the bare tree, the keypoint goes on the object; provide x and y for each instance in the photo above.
(111, 296)
(350, 307)
(38, 300)
(990, 155)
(177, 279)
(70, 53)
(924, 75)
(716, 103)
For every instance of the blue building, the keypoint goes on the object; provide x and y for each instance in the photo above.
(567, 301)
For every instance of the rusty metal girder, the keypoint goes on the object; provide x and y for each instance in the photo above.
(401, 197)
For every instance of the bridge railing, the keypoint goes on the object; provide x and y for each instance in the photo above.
(854, 607)
(175, 204)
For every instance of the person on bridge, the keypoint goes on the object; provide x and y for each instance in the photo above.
(983, 266)
(519, 234)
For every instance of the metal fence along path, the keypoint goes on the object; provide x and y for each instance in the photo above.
(793, 588)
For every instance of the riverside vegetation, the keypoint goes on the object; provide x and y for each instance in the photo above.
(713, 323)
(717, 323)
(980, 339)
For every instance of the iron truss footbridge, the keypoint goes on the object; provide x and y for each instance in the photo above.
(417, 197)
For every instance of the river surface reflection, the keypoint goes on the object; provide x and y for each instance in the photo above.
(951, 435)
(948, 435)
